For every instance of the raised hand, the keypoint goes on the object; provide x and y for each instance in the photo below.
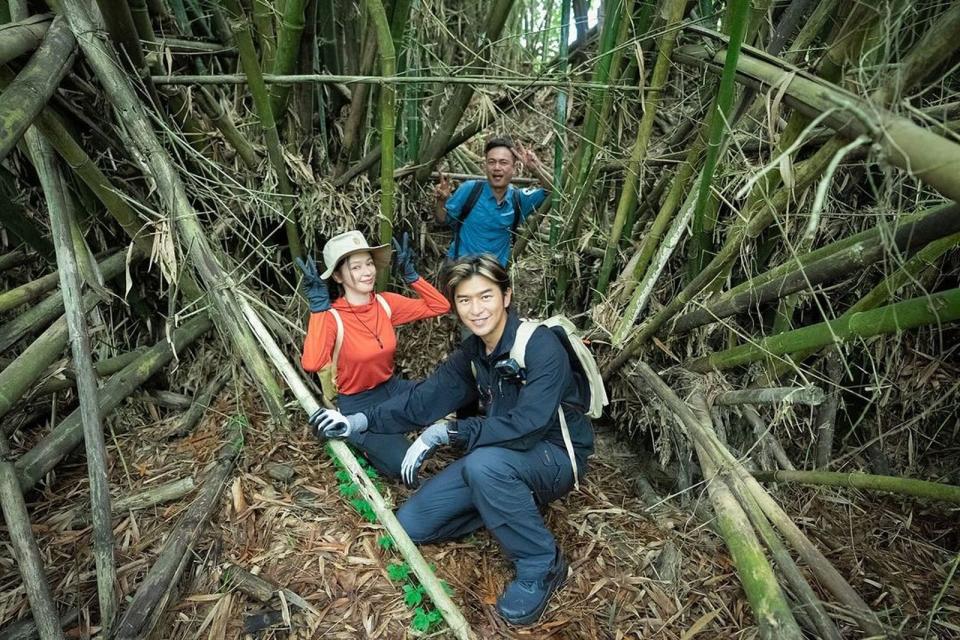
(313, 285)
(443, 189)
(404, 261)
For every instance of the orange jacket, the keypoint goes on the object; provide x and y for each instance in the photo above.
(369, 341)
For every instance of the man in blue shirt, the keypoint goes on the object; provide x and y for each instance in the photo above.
(512, 460)
(494, 209)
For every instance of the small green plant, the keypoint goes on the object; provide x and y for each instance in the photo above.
(424, 620)
(412, 595)
(398, 571)
(386, 542)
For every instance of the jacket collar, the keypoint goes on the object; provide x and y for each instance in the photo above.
(475, 348)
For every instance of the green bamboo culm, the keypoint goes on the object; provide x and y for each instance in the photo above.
(388, 124)
(288, 49)
(261, 100)
(719, 116)
(866, 481)
(26, 96)
(673, 11)
(22, 36)
(559, 120)
(935, 309)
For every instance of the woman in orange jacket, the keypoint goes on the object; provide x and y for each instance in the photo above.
(351, 331)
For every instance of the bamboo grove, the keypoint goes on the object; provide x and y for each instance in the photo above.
(755, 219)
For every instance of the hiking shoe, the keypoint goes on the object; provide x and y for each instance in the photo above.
(523, 601)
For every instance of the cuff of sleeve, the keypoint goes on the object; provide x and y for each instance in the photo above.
(457, 439)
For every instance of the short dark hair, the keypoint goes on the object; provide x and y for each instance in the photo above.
(493, 143)
(486, 265)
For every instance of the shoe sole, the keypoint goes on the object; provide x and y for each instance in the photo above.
(534, 617)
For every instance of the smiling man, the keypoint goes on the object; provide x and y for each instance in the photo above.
(485, 215)
(513, 459)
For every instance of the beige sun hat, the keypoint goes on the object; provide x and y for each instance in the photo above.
(340, 246)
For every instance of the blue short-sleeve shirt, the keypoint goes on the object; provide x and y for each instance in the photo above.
(488, 227)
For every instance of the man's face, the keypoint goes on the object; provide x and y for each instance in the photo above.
(499, 166)
(482, 307)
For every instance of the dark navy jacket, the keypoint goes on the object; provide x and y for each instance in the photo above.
(518, 415)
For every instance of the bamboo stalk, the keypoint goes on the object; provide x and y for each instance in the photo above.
(151, 497)
(139, 134)
(811, 395)
(36, 82)
(13, 259)
(768, 438)
(26, 629)
(288, 47)
(200, 405)
(388, 124)
(75, 306)
(719, 118)
(261, 100)
(673, 14)
(260, 589)
(826, 419)
(27, 368)
(745, 484)
(51, 307)
(222, 121)
(463, 79)
(559, 127)
(935, 309)
(866, 481)
(17, 296)
(405, 546)
(156, 590)
(25, 549)
(263, 23)
(17, 38)
(48, 452)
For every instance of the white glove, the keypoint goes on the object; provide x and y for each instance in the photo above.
(332, 424)
(421, 449)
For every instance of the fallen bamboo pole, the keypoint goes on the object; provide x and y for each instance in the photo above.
(811, 395)
(155, 591)
(75, 308)
(25, 549)
(262, 590)
(26, 629)
(47, 453)
(17, 38)
(741, 480)
(315, 78)
(934, 309)
(434, 589)
(866, 481)
(199, 405)
(104, 368)
(145, 499)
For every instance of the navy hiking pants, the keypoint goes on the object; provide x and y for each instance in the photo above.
(385, 451)
(501, 489)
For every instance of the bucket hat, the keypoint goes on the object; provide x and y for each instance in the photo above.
(345, 244)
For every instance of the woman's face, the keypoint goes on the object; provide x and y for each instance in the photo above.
(358, 273)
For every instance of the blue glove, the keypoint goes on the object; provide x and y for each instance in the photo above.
(313, 286)
(404, 263)
(421, 449)
(330, 423)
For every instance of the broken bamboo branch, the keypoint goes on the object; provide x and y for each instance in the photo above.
(866, 481)
(811, 395)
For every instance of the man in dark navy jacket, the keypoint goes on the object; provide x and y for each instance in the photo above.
(514, 460)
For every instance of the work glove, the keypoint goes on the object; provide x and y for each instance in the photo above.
(330, 423)
(313, 286)
(421, 449)
(404, 261)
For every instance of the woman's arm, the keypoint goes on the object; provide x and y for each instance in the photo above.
(430, 304)
(318, 345)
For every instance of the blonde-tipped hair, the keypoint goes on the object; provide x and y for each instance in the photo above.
(463, 269)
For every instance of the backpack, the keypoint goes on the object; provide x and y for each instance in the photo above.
(472, 198)
(581, 361)
(328, 374)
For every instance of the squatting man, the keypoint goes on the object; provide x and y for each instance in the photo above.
(512, 459)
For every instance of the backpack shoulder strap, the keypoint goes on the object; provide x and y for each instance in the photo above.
(386, 305)
(472, 198)
(338, 341)
(519, 349)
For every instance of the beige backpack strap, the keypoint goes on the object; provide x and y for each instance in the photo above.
(518, 352)
(568, 443)
(338, 341)
(386, 306)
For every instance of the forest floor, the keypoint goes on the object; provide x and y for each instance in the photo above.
(637, 572)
